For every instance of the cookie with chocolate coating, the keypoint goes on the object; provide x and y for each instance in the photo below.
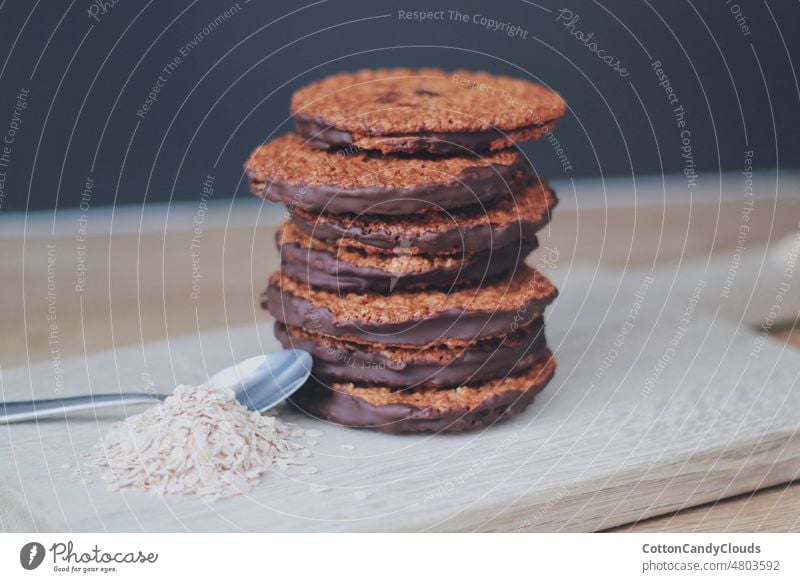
(289, 171)
(424, 110)
(476, 228)
(434, 365)
(427, 409)
(342, 267)
(413, 317)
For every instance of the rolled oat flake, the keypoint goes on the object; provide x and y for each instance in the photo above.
(199, 441)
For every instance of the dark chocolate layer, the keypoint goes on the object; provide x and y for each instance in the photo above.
(428, 366)
(472, 186)
(320, 134)
(329, 271)
(467, 230)
(347, 408)
(453, 323)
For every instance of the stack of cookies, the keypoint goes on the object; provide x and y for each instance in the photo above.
(403, 259)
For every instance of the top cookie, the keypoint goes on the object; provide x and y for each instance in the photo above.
(424, 110)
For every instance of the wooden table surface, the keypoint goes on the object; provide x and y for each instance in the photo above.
(143, 286)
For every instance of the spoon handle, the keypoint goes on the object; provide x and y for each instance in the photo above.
(33, 409)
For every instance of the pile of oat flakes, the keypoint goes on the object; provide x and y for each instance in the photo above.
(200, 441)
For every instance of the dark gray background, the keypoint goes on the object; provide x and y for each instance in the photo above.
(88, 78)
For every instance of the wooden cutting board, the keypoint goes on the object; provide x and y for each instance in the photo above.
(685, 406)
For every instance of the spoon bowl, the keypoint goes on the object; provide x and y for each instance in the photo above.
(263, 382)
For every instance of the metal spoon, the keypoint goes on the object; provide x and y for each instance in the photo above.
(260, 383)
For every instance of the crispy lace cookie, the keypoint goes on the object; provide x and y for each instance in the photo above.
(424, 110)
(413, 317)
(428, 409)
(476, 228)
(289, 171)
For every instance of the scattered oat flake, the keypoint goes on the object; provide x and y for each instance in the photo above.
(347, 447)
(314, 433)
(319, 488)
(361, 495)
(200, 441)
(66, 466)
